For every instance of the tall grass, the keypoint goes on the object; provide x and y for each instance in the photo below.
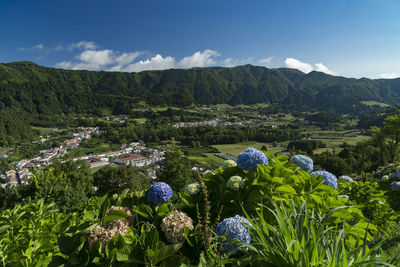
(299, 237)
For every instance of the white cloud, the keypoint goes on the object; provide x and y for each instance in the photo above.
(265, 61)
(322, 68)
(199, 59)
(64, 65)
(297, 64)
(79, 45)
(306, 67)
(389, 75)
(100, 60)
(84, 45)
(92, 59)
(230, 62)
(32, 48)
(155, 63)
(126, 58)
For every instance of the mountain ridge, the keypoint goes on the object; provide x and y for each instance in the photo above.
(27, 87)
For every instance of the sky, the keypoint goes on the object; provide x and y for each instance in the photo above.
(351, 38)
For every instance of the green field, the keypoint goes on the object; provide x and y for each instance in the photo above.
(43, 130)
(374, 103)
(236, 149)
(334, 139)
(95, 169)
(209, 160)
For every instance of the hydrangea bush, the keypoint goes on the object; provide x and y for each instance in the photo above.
(329, 178)
(233, 228)
(303, 162)
(174, 225)
(250, 158)
(235, 183)
(159, 193)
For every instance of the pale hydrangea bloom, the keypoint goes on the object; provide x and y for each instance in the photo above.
(229, 163)
(105, 232)
(174, 225)
(235, 183)
(192, 189)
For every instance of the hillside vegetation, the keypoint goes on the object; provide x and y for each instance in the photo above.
(27, 88)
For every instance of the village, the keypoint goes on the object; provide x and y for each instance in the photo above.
(134, 154)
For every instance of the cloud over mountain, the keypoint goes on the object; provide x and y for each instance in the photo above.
(306, 67)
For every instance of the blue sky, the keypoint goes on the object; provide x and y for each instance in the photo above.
(352, 38)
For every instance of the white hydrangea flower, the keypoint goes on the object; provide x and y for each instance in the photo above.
(235, 183)
(229, 163)
(192, 189)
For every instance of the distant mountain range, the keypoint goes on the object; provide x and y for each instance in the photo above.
(27, 88)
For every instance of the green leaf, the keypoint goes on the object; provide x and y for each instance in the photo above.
(163, 210)
(4, 228)
(285, 189)
(68, 244)
(167, 251)
(127, 259)
(115, 215)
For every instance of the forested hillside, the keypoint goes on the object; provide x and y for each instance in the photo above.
(27, 88)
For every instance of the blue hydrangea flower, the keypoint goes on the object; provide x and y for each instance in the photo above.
(395, 186)
(303, 162)
(249, 159)
(159, 193)
(398, 171)
(329, 178)
(233, 228)
(346, 178)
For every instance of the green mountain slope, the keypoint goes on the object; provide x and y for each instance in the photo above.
(27, 88)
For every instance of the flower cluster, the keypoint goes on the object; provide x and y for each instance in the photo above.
(233, 228)
(235, 183)
(174, 225)
(229, 163)
(346, 178)
(159, 193)
(192, 189)
(384, 178)
(249, 159)
(329, 178)
(106, 231)
(395, 186)
(303, 162)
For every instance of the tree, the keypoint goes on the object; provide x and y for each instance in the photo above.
(110, 180)
(175, 170)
